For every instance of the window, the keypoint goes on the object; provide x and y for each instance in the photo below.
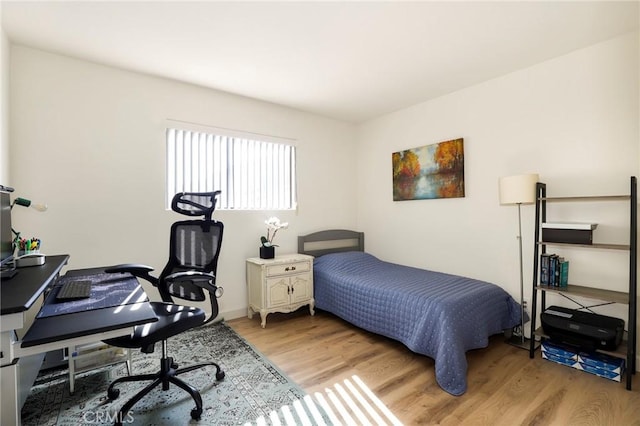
(252, 174)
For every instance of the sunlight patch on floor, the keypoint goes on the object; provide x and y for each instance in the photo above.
(349, 403)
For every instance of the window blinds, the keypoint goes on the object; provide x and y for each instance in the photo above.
(252, 174)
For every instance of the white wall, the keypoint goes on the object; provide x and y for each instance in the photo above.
(573, 120)
(89, 141)
(4, 108)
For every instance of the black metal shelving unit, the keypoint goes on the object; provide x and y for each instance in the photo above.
(628, 348)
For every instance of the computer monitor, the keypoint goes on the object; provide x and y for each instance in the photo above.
(6, 235)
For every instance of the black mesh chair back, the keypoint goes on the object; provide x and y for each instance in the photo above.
(194, 246)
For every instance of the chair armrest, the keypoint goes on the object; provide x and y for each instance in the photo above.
(135, 269)
(190, 275)
(199, 279)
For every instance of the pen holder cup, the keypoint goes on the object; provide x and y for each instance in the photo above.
(26, 252)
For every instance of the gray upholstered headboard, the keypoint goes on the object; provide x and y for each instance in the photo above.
(330, 241)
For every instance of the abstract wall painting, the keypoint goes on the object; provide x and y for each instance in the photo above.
(428, 172)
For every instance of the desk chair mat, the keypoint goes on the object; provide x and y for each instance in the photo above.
(107, 291)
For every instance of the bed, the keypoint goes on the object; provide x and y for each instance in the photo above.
(434, 314)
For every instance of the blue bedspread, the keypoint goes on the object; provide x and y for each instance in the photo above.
(432, 313)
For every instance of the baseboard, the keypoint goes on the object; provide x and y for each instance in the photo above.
(233, 314)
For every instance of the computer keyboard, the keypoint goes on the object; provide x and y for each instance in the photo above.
(74, 290)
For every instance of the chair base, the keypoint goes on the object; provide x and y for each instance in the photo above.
(167, 375)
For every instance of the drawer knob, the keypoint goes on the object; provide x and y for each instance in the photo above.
(290, 268)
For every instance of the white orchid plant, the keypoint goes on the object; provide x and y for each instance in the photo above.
(273, 226)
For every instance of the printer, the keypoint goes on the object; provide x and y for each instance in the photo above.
(585, 330)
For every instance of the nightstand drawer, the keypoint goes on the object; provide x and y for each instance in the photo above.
(288, 268)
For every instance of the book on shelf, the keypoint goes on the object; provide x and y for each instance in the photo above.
(554, 270)
(556, 279)
(564, 274)
(553, 265)
(544, 269)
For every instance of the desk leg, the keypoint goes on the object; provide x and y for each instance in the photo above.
(72, 369)
(10, 406)
(9, 373)
(16, 378)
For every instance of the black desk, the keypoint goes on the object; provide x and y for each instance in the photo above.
(17, 296)
(90, 324)
(117, 301)
(19, 293)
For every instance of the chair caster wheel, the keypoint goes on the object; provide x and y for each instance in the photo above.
(220, 375)
(113, 393)
(196, 413)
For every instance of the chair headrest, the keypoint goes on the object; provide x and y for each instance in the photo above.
(195, 203)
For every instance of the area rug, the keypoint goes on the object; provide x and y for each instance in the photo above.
(253, 387)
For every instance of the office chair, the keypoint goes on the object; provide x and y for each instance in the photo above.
(189, 273)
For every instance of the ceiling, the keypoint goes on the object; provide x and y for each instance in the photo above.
(349, 60)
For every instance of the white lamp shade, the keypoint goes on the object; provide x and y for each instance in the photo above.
(520, 189)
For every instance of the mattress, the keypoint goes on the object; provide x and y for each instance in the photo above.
(434, 314)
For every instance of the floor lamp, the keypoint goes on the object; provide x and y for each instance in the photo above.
(519, 189)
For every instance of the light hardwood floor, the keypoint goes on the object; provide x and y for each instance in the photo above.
(505, 386)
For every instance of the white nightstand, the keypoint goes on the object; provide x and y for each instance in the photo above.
(282, 284)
